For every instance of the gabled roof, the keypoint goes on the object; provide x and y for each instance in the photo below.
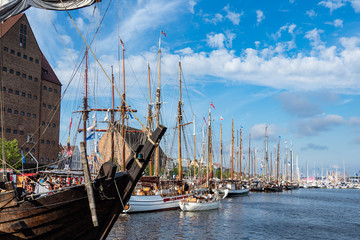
(9, 23)
(47, 73)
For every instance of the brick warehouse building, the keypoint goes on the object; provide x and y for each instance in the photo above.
(31, 93)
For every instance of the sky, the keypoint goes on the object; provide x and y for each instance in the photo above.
(292, 65)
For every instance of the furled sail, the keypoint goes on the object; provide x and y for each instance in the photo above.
(9, 8)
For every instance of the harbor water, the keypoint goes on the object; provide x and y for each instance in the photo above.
(297, 214)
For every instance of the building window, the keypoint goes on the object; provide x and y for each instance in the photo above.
(41, 159)
(14, 131)
(17, 73)
(11, 71)
(53, 143)
(47, 142)
(34, 115)
(4, 89)
(29, 139)
(12, 51)
(35, 97)
(28, 114)
(43, 123)
(10, 90)
(23, 35)
(49, 106)
(52, 160)
(50, 89)
(21, 132)
(25, 56)
(47, 160)
(17, 92)
(6, 49)
(37, 61)
(9, 110)
(8, 130)
(24, 75)
(31, 59)
(29, 95)
(36, 79)
(55, 91)
(30, 77)
(5, 69)
(32, 150)
(54, 125)
(16, 112)
(19, 54)
(44, 87)
(22, 113)
(42, 141)
(44, 105)
(23, 94)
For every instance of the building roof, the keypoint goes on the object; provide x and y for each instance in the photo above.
(47, 73)
(7, 25)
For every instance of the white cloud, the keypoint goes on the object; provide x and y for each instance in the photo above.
(288, 27)
(234, 17)
(315, 125)
(356, 5)
(257, 44)
(311, 13)
(258, 131)
(259, 16)
(185, 51)
(332, 4)
(216, 19)
(192, 4)
(338, 23)
(216, 40)
(354, 121)
(315, 41)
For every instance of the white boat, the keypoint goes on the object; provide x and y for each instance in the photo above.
(233, 191)
(194, 204)
(153, 203)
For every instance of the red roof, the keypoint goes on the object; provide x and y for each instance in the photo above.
(9, 23)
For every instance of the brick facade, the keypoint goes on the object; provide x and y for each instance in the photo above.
(31, 92)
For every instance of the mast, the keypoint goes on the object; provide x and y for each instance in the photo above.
(157, 152)
(123, 114)
(278, 162)
(237, 155)
(240, 150)
(291, 162)
(249, 155)
(150, 119)
(179, 122)
(194, 146)
(266, 154)
(210, 145)
(286, 162)
(232, 149)
(221, 153)
(2, 100)
(85, 111)
(112, 115)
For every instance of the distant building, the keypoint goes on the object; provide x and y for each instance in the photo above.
(31, 93)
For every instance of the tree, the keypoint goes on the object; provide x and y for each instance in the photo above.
(12, 153)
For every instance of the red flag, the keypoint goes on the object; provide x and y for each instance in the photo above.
(212, 104)
(163, 33)
(122, 44)
(70, 124)
(221, 118)
(204, 120)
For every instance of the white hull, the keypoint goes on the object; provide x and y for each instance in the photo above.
(233, 192)
(154, 203)
(199, 206)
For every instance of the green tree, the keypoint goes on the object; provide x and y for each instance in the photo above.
(12, 153)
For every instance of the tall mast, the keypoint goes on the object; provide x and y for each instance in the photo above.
(150, 119)
(237, 156)
(249, 155)
(112, 115)
(221, 153)
(286, 162)
(179, 122)
(266, 154)
(232, 149)
(210, 144)
(240, 150)
(291, 162)
(85, 111)
(278, 162)
(194, 146)
(123, 114)
(157, 152)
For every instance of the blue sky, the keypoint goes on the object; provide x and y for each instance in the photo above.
(290, 64)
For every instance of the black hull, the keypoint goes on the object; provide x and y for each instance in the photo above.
(66, 214)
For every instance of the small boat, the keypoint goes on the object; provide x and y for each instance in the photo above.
(235, 189)
(202, 203)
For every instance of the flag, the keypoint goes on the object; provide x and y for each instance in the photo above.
(70, 124)
(221, 118)
(211, 104)
(122, 44)
(204, 119)
(131, 116)
(92, 136)
(23, 157)
(163, 33)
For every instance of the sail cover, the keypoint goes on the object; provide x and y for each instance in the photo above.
(9, 8)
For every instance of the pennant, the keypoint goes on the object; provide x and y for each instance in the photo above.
(70, 124)
(163, 33)
(211, 104)
(221, 118)
(122, 44)
(131, 116)
(92, 136)
(23, 157)
(204, 120)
